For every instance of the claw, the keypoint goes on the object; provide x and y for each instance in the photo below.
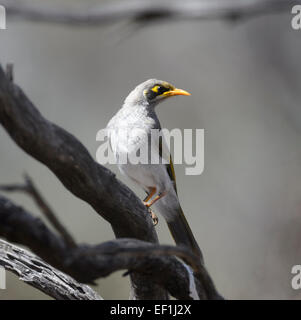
(153, 215)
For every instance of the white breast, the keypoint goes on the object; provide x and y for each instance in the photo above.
(128, 132)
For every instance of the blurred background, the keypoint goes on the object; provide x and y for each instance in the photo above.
(245, 80)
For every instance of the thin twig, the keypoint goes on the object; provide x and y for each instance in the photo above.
(30, 189)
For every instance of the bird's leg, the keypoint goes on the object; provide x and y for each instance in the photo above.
(153, 215)
(150, 195)
(159, 196)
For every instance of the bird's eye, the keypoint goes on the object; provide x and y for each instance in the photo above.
(160, 89)
(156, 91)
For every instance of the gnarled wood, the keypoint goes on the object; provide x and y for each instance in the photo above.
(69, 160)
(86, 263)
(42, 276)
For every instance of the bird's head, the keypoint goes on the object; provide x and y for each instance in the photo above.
(153, 91)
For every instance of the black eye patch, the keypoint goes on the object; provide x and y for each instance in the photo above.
(162, 90)
(156, 91)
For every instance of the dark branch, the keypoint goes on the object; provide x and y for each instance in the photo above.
(86, 263)
(69, 160)
(42, 276)
(148, 11)
(63, 154)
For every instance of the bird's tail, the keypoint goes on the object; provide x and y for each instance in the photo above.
(182, 234)
(170, 208)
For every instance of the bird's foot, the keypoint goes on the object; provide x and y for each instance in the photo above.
(153, 215)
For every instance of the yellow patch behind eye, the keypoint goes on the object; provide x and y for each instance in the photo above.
(155, 89)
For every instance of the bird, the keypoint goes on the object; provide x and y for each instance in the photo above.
(130, 130)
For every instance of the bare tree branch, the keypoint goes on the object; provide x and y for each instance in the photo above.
(86, 263)
(147, 11)
(69, 160)
(148, 263)
(42, 276)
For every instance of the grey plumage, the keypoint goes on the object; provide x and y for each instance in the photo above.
(129, 130)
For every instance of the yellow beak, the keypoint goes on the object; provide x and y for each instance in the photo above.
(176, 92)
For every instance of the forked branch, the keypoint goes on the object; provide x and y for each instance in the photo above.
(86, 263)
(69, 160)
